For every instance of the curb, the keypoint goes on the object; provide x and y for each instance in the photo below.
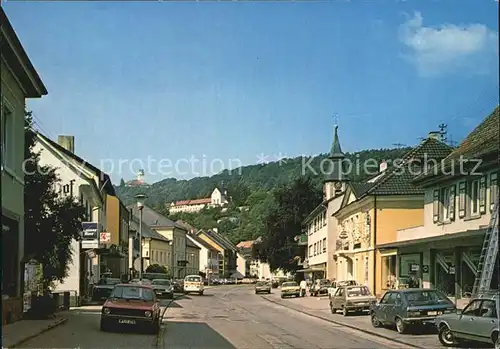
(48, 328)
(373, 333)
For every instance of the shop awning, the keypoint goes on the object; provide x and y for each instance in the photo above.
(444, 237)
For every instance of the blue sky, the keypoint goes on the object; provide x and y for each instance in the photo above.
(234, 80)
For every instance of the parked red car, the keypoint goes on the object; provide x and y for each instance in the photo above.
(131, 305)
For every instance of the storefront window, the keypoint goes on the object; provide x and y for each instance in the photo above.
(389, 272)
(409, 270)
(445, 272)
(470, 261)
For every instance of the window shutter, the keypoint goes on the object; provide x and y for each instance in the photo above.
(482, 195)
(493, 190)
(452, 202)
(435, 206)
(462, 187)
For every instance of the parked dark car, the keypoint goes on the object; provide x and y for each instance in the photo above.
(103, 289)
(163, 288)
(178, 286)
(477, 322)
(410, 307)
(319, 288)
(131, 305)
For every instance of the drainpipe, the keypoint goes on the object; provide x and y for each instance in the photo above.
(374, 244)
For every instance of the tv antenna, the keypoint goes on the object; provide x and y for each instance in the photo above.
(443, 130)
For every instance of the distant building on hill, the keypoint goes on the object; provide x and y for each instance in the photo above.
(219, 198)
(138, 182)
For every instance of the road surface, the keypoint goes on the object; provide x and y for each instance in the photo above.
(226, 317)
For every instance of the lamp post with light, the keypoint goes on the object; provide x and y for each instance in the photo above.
(140, 205)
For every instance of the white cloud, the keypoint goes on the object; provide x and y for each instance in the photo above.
(435, 50)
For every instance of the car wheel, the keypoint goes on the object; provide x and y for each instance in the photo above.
(201, 293)
(269, 292)
(345, 312)
(400, 325)
(375, 320)
(446, 336)
(282, 297)
(496, 340)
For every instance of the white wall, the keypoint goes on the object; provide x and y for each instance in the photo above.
(67, 176)
(241, 264)
(431, 228)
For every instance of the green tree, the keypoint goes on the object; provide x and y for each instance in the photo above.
(51, 222)
(156, 268)
(122, 182)
(293, 203)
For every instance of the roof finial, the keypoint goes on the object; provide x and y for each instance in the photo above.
(336, 120)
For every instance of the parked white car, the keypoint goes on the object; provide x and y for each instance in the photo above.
(194, 284)
(336, 284)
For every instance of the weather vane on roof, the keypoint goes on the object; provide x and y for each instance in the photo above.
(336, 119)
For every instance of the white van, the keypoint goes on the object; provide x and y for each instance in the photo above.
(193, 284)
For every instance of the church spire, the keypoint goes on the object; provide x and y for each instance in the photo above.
(338, 169)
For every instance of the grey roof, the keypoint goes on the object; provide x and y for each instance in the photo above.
(147, 232)
(154, 219)
(219, 240)
(190, 243)
(337, 164)
(200, 241)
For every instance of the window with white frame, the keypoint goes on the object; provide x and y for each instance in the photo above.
(6, 136)
(474, 198)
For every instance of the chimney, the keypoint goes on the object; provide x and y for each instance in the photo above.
(434, 135)
(67, 142)
(382, 166)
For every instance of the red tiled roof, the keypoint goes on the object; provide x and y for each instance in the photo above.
(193, 202)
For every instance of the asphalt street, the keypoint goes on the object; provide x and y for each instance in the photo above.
(225, 317)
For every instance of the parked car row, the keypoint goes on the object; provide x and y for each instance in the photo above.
(406, 309)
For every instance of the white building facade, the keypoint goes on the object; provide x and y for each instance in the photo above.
(218, 198)
(77, 181)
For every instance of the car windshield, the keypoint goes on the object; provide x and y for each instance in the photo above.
(131, 292)
(193, 279)
(289, 284)
(358, 291)
(425, 297)
(262, 283)
(161, 282)
(324, 282)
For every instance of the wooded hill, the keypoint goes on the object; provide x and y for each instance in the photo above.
(245, 180)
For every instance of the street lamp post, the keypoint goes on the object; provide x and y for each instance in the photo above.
(140, 205)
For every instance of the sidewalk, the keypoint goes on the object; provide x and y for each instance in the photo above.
(24, 330)
(319, 308)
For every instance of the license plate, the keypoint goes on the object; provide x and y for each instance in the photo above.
(126, 321)
(432, 313)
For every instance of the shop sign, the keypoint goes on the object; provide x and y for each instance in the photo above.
(414, 267)
(90, 235)
(452, 270)
(105, 237)
(425, 269)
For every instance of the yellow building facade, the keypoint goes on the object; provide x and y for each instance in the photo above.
(373, 211)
